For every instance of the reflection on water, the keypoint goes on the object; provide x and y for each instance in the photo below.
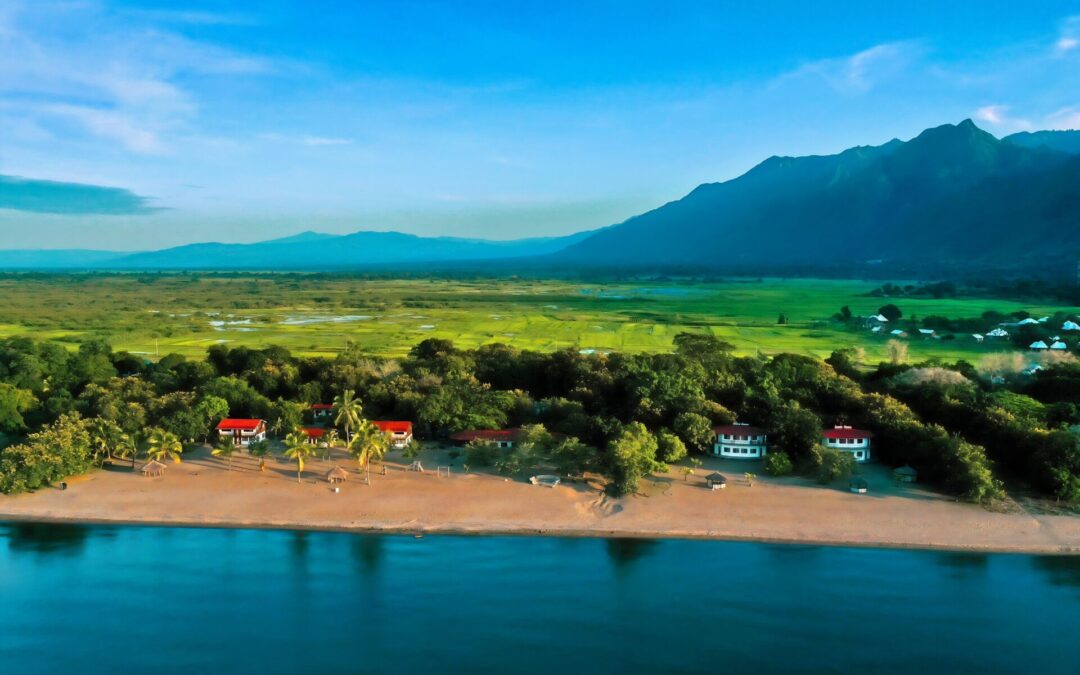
(205, 600)
(58, 538)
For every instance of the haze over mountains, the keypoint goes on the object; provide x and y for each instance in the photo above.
(955, 198)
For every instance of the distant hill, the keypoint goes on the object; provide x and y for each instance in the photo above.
(954, 198)
(59, 259)
(314, 251)
(1062, 141)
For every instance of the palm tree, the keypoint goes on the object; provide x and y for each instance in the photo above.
(260, 449)
(297, 447)
(164, 445)
(332, 440)
(347, 411)
(128, 446)
(369, 444)
(225, 448)
(105, 435)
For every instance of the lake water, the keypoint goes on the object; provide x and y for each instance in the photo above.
(77, 599)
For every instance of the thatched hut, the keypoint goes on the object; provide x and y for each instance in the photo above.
(905, 474)
(858, 485)
(153, 469)
(337, 475)
(716, 481)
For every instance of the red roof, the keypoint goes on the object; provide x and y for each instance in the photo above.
(393, 427)
(839, 432)
(322, 406)
(486, 435)
(314, 432)
(237, 424)
(739, 430)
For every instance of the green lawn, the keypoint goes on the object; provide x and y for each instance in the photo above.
(321, 314)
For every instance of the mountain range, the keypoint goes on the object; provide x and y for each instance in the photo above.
(954, 199)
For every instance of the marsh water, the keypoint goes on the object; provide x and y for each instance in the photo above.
(87, 599)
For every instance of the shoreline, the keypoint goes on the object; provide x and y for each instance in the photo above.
(201, 492)
(452, 531)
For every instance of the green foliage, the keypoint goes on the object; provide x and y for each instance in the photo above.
(696, 431)
(13, 403)
(669, 447)
(778, 463)
(835, 465)
(632, 455)
(60, 450)
(479, 452)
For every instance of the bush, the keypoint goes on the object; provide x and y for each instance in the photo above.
(479, 452)
(835, 464)
(778, 464)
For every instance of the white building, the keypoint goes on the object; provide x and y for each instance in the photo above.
(739, 441)
(998, 333)
(848, 439)
(1070, 325)
(1059, 345)
(243, 431)
(979, 337)
(1038, 345)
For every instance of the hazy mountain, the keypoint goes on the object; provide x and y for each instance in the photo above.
(954, 197)
(59, 259)
(314, 251)
(1063, 141)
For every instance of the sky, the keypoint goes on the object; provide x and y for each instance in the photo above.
(244, 121)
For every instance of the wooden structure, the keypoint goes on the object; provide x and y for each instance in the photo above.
(716, 481)
(337, 475)
(858, 485)
(153, 469)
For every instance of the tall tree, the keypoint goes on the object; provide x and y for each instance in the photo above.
(260, 449)
(298, 448)
(226, 447)
(105, 437)
(347, 412)
(370, 444)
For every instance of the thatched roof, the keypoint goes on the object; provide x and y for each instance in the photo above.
(716, 477)
(337, 473)
(905, 471)
(152, 468)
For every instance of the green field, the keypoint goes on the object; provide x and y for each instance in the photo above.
(321, 314)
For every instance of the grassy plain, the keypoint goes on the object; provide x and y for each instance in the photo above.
(321, 314)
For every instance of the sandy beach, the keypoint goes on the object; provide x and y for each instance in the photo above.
(201, 492)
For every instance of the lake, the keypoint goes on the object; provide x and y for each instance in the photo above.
(85, 599)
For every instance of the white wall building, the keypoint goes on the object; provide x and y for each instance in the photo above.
(739, 441)
(848, 439)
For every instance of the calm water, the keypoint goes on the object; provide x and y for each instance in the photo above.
(132, 599)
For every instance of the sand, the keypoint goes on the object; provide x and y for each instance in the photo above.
(201, 492)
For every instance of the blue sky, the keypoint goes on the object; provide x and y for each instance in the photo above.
(248, 120)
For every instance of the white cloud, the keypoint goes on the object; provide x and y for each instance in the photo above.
(116, 78)
(1070, 36)
(862, 71)
(1065, 118)
(1066, 44)
(997, 116)
(322, 140)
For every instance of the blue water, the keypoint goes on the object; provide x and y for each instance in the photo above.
(90, 599)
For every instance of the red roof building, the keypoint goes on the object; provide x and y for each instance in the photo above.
(314, 434)
(400, 432)
(739, 441)
(849, 439)
(243, 431)
(322, 410)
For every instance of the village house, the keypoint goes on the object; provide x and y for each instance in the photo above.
(322, 412)
(850, 440)
(739, 441)
(998, 333)
(1070, 325)
(243, 431)
(500, 438)
(1038, 346)
(400, 433)
(315, 434)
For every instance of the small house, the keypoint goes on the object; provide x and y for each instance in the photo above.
(927, 333)
(337, 475)
(896, 332)
(322, 412)
(998, 333)
(243, 431)
(978, 337)
(1038, 346)
(858, 485)
(905, 474)
(400, 433)
(500, 438)
(850, 440)
(315, 435)
(153, 469)
(716, 481)
(1027, 322)
(1070, 325)
(1059, 345)
(739, 441)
